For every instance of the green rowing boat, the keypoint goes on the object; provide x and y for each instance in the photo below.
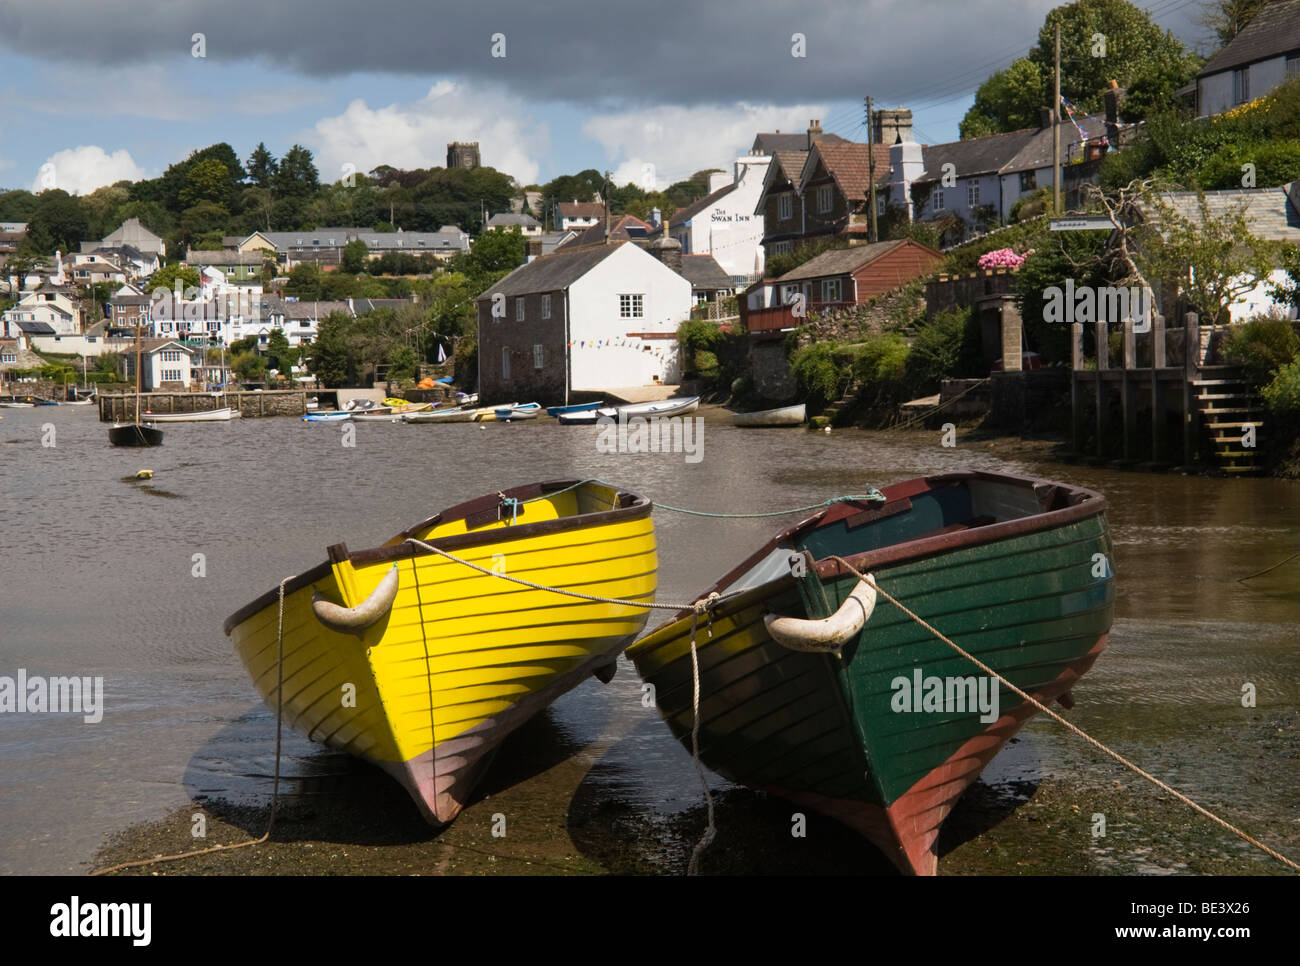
(809, 693)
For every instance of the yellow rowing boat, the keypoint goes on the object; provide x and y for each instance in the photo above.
(422, 664)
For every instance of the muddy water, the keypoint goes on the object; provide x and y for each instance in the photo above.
(97, 578)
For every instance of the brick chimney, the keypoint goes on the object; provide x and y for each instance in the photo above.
(814, 132)
(891, 126)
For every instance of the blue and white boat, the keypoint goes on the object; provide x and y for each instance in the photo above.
(575, 408)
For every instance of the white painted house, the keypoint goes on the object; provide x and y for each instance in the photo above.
(589, 318)
(53, 307)
(724, 224)
(1257, 60)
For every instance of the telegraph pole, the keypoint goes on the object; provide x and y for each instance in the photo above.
(871, 168)
(1056, 129)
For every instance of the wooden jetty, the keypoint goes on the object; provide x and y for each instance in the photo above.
(1196, 411)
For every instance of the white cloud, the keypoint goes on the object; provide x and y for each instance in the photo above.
(679, 141)
(416, 135)
(82, 169)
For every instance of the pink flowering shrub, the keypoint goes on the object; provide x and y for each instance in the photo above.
(1002, 258)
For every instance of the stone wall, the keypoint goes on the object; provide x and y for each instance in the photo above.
(770, 370)
(1019, 398)
(251, 405)
(948, 292)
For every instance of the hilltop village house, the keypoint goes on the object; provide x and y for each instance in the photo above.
(588, 318)
(1258, 59)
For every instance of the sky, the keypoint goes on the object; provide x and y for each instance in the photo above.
(94, 92)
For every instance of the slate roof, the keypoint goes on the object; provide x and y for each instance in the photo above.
(1025, 150)
(315, 310)
(623, 228)
(704, 272)
(1274, 31)
(506, 220)
(35, 328)
(1274, 213)
(224, 257)
(778, 143)
(682, 215)
(553, 272)
(406, 241)
(840, 261)
(580, 209)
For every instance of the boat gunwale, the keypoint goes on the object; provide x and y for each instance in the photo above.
(632, 507)
(1083, 503)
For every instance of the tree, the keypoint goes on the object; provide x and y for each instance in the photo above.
(1101, 41)
(297, 175)
(167, 277)
(498, 249)
(1226, 18)
(355, 255)
(279, 355)
(58, 223)
(328, 354)
(204, 218)
(304, 281)
(208, 180)
(262, 166)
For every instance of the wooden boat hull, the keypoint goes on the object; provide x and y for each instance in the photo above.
(554, 411)
(441, 416)
(665, 407)
(134, 434)
(829, 733)
(785, 416)
(461, 658)
(209, 416)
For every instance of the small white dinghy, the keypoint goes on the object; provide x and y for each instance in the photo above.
(785, 416)
(207, 416)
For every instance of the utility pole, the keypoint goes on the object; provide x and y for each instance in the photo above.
(605, 195)
(1056, 129)
(871, 168)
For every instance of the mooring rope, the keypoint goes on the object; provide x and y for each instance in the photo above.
(874, 494)
(275, 786)
(939, 407)
(1070, 727)
(702, 608)
(1266, 570)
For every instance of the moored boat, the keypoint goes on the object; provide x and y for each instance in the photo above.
(784, 416)
(518, 411)
(575, 408)
(1015, 571)
(677, 406)
(462, 414)
(206, 416)
(445, 660)
(135, 434)
(328, 416)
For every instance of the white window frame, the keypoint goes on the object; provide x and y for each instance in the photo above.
(825, 199)
(546, 306)
(835, 286)
(538, 356)
(520, 307)
(1241, 85)
(785, 207)
(972, 194)
(936, 200)
(631, 305)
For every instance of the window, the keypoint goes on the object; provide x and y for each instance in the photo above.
(825, 199)
(936, 200)
(788, 293)
(537, 357)
(973, 194)
(519, 308)
(785, 207)
(882, 202)
(505, 365)
(782, 248)
(1293, 63)
(1028, 180)
(1241, 85)
(546, 306)
(171, 375)
(630, 306)
(830, 290)
(701, 298)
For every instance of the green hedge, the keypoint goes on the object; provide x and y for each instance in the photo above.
(1261, 347)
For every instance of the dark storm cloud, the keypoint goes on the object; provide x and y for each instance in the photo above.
(656, 51)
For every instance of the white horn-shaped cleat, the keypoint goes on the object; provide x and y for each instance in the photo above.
(355, 619)
(830, 633)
